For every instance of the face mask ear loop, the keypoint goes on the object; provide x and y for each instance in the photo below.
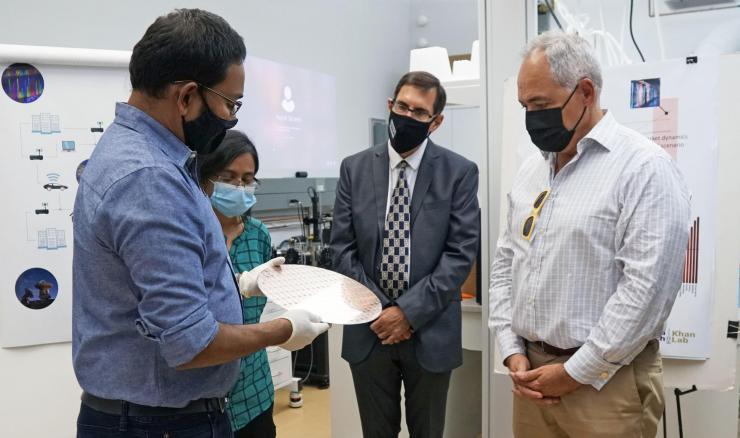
(580, 118)
(571, 95)
(583, 113)
(205, 102)
(202, 97)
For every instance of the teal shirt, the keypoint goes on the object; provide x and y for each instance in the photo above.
(253, 392)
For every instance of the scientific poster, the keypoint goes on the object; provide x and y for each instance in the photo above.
(52, 118)
(674, 103)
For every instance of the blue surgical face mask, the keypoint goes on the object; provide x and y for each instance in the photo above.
(232, 200)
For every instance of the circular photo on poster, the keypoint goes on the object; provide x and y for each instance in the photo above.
(80, 169)
(23, 83)
(36, 288)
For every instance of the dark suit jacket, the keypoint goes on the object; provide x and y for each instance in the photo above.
(444, 243)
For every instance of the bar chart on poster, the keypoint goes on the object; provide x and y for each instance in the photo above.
(53, 116)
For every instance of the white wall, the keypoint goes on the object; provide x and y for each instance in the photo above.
(682, 33)
(40, 396)
(363, 44)
(453, 24)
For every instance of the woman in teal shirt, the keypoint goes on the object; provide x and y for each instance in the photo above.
(228, 176)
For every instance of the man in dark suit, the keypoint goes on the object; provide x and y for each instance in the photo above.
(406, 226)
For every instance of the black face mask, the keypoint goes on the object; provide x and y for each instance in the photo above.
(204, 133)
(406, 133)
(546, 127)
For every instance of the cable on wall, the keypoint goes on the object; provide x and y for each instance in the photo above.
(552, 12)
(632, 5)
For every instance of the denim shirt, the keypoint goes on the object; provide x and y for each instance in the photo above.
(151, 273)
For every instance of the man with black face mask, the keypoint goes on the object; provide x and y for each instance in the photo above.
(406, 226)
(157, 317)
(590, 259)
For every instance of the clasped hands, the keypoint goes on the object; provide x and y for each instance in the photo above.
(392, 326)
(544, 385)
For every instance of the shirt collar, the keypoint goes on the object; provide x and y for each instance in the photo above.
(602, 134)
(139, 121)
(413, 160)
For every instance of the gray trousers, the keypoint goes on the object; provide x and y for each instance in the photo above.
(378, 388)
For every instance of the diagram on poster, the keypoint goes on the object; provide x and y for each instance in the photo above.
(53, 116)
(674, 103)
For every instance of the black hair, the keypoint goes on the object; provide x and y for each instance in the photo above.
(234, 144)
(425, 81)
(186, 44)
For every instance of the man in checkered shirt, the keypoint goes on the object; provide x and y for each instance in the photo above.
(590, 259)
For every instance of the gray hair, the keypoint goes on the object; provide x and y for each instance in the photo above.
(570, 56)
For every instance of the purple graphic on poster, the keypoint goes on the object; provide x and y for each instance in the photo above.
(645, 93)
(23, 83)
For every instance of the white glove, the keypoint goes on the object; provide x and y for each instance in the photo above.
(306, 326)
(248, 286)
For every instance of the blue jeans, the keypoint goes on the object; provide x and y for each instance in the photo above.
(96, 424)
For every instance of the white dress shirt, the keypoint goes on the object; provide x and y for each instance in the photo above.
(413, 162)
(604, 263)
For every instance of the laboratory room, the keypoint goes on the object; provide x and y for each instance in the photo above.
(370, 219)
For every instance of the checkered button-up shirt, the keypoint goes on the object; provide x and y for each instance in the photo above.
(603, 266)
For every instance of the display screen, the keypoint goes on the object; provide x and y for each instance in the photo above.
(290, 114)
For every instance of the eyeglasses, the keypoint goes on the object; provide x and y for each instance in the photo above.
(419, 114)
(254, 184)
(528, 227)
(234, 105)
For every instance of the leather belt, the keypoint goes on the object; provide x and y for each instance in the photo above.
(555, 351)
(118, 407)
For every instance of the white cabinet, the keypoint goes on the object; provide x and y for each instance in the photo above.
(461, 132)
(443, 135)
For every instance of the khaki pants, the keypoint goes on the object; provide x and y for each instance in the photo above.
(629, 405)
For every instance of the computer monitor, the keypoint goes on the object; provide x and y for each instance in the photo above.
(68, 145)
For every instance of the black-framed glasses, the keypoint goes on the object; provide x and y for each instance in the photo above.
(234, 105)
(419, 114)
(528, 226)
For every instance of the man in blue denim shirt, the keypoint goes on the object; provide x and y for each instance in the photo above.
(157, 318)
